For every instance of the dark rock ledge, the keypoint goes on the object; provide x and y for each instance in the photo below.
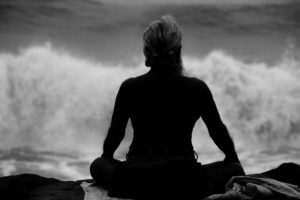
(34, 187)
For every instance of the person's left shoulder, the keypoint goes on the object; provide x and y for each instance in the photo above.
(193, 81)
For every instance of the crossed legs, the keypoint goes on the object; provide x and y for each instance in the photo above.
(217, 173)
(102, 170)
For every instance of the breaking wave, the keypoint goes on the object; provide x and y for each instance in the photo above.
(51, 100)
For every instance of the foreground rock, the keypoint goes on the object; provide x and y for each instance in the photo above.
(34, 187)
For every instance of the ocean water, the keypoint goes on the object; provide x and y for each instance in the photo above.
(61, 63)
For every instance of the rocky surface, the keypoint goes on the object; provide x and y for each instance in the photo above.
(34, 187)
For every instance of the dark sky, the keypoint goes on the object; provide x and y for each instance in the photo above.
(197, 1)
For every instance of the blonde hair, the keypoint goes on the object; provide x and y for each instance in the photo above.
(162, 38)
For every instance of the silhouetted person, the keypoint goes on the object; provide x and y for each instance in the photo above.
(163, 106)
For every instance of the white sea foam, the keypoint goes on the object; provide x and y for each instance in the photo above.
(259, 103)
(51, 100)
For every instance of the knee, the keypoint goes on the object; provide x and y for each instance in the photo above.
(221, 174)
(93, 168)
(102, 170)
(234, 169)
(97, 168)
(238, 169)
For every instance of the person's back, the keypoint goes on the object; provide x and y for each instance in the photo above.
(163, 106)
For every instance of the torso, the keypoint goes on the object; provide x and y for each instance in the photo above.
(163, 109)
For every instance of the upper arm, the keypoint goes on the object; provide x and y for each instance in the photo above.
(119, 121)
(217, 130)
(209, 111)
(120, 114)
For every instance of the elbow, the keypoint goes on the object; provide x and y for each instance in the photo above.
(116, 133)
(218, 129)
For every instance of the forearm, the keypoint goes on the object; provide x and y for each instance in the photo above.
(222, 139)
(112, 142)
(217, 130)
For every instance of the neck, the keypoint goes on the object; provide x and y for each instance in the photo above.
(166, 69)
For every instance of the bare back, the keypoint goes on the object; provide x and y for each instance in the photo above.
(164, 108)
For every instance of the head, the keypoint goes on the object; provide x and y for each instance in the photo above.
(162, 44)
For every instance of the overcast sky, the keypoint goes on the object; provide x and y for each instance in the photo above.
(198, 1)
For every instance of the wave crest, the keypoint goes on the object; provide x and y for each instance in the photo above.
(52, 100)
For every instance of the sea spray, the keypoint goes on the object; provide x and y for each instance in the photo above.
(51, 100)
(259, 103)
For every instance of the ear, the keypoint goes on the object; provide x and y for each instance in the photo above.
(147, 62)
(178, 54)
(179, 48)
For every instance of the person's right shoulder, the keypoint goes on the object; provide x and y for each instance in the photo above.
(127, 81)
(126, 84)
(137, 81)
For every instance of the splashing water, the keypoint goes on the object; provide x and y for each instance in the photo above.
(53, 101)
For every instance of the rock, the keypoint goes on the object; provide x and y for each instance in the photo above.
(34, 187)
(65, 190)
(286, 172)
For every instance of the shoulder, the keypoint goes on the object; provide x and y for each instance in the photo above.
(135, 81)
(124, 87)
(196, 82)
(200, 88)
(132, 83)
(127, 82)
